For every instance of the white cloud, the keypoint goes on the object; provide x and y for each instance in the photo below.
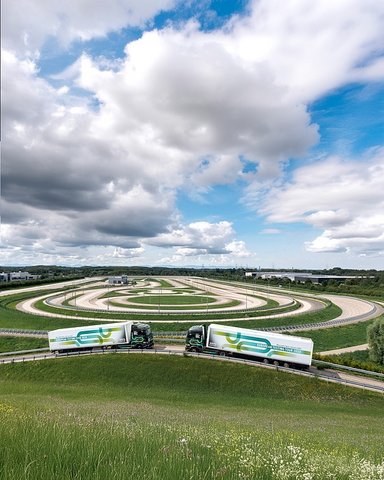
(270, 231)
(205, 103)
(345, 199)
(184, 110)
(128, 252)
(27, 24)
(238, 249)
(198, 237)
(219, 170)
(314, 47)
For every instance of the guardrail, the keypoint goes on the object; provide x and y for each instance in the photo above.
(20, 331)
(346, 367)
(21, 352)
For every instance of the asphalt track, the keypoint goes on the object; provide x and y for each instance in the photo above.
(353, 309)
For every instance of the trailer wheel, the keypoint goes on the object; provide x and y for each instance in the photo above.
(222, 354)
(276, 363)
(266, 361)
(286, 365)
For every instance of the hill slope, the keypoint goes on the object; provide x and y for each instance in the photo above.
(153, 416)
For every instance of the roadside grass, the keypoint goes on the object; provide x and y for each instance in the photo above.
(337, 337)
(359, 359)
(16, 343)
(141, 416)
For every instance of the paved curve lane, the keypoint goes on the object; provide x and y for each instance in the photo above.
(353, 309)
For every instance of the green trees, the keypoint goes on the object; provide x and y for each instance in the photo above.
(376, 341)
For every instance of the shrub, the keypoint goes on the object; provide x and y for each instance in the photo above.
(376, 341)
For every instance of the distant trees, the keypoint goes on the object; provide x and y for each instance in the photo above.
(375, 334)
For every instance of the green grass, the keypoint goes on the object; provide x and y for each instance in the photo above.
(359, 359)
(337, 337)
(172, 299)
(16, 343)
(12, 318)
(137, 416)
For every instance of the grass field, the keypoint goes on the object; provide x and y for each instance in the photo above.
(359, 359)
(17, 343)
(137, 416)
(337, 337)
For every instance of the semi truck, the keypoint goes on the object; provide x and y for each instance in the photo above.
(112, 336)
(269, 347)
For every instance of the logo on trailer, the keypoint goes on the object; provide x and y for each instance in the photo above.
(99, 335)
(246, 343)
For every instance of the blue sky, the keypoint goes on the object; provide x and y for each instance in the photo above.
(205, 132)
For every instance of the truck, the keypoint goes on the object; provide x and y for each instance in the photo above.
(268, 347)
(108, 336)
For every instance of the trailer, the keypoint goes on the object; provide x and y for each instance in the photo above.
(269, 347)
(107, 336)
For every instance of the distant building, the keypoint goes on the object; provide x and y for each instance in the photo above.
(17, 276)
(118, 280)
(300, 277)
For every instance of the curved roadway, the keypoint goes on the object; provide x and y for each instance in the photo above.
(353, 309)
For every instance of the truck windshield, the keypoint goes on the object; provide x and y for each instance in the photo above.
(143, 331)
(195, 333)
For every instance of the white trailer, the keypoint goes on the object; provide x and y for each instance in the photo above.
(112, 335)
(267, 346)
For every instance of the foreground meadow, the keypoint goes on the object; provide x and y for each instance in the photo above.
(138, 416)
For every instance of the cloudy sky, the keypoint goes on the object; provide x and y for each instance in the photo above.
(198, 132)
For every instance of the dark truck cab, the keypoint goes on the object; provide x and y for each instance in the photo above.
(196, 338)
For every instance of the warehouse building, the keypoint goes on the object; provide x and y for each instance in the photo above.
(300, 277)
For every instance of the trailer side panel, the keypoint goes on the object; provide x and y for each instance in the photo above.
(257, 343)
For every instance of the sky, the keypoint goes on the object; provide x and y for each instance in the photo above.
(209, 133)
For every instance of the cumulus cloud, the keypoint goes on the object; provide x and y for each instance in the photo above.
(198, 237)
(28, 23)
(315, 47)
(345, 199)
(128, 252)
(183, 110)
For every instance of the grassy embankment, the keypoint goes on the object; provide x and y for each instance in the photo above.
(359, 359)
(18, 343)
(147, 417)
(338, 337)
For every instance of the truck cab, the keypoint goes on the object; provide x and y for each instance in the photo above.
(195, 339)
(141, 336)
